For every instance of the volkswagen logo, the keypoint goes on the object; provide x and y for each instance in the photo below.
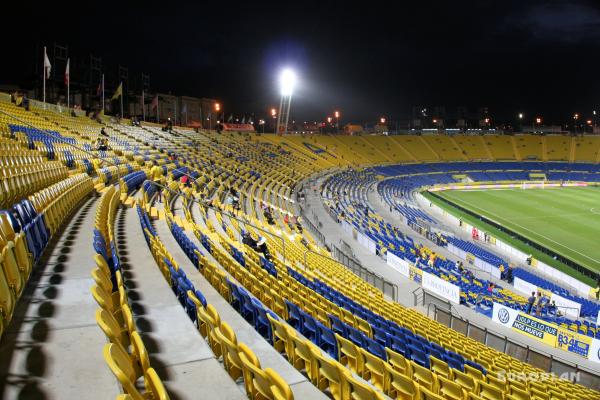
(503, 315)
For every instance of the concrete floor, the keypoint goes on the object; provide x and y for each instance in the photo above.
(53, 348)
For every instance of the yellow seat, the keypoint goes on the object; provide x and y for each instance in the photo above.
(349, 355)
(439, 367)
(490, 392)
(373, 369)
(474, 372)
(398, 385)
(122, 367)
(328, 373)
(424, 377)
(450, 390)
(115, 333)
(11, 270)
(302, 359)
(281, 389)
(496, 382)
(399, 362)
(282, 341)
(429, 395)
(154, 386)
(467, 382)
(230, 351)
(258, 385)
(7, 303)
(354, 389)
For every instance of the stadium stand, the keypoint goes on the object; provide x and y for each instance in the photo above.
(223, 273)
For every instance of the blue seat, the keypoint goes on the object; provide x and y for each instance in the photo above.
(326, 340)
(376, 349)
(455, 363)
(308, 327)
(294, 313)
(236, 297)
(337, 326)
(418, 356)
(246, 307)
(381, 337)
(201, 297)
(475, 365)
(262, 323)
(356, 336)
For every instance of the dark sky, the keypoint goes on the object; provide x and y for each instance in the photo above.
(367, 59)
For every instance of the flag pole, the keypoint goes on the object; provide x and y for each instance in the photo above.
(102, 94)
(44, 74)
(143, 107)
(157, 107)
(68, 84)
(122, 116)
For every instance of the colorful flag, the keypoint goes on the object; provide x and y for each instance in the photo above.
(118, 92)
(47, 65)
(67, 76)
(154, 103)
(230, 118)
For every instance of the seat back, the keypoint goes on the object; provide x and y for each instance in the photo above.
(121, 366)
(155, 386)
(281, 389)
(354, 389)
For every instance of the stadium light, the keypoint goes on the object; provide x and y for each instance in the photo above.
(329, 120)
(520, 115)
(273, 112)
(382, 120)
(287, 81)
(538, 120)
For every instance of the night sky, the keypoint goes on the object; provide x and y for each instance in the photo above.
(367, 60)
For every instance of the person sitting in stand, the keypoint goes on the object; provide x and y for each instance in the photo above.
(261, 246)
(247, 239)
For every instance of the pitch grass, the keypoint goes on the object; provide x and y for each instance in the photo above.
(565, 220)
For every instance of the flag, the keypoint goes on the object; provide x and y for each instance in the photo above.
(244, 120)
(118, 92)
(154, 103)
(99, 89)
(67, 76)
(47, 65)
(230, 118)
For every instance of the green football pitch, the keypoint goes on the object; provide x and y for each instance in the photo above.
(565, 220)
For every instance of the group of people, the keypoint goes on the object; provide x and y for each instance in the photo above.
(540, 302)
(101, 144)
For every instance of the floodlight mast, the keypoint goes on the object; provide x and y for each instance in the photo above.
(287, 80)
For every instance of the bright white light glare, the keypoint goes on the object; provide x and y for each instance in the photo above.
(287, 80)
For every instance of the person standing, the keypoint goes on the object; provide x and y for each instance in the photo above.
(156, 173)
(530, 302)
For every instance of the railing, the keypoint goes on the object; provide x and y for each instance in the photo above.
(388, 288)
(521, 351)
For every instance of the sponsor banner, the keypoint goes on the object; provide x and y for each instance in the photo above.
(524, 286)
(470, 258)
(367, 242)
(398, 264)
(573, 342)
(238, 127)
(594, 353)
(521, 185)
(548, 333)
(525, 324)
(441, 287)
(571, 308)
(347, 227)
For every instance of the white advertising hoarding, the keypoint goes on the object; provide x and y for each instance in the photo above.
(441, 287)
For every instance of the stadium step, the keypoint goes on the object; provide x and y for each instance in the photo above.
(268, 356)
(181, 357)
(54, 329)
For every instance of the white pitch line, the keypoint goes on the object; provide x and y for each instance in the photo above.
(529, 230)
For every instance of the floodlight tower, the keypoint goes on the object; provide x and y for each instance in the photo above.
(287, 80)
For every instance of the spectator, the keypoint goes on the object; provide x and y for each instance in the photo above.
(185, 181)
(530, 302)
(490, 288)
(598, 289)
(261, 247)
(552, 308)
(502, 272)
(156, 172)
(103, 132)
(539, 304)
(509, 274)
(247, 239)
